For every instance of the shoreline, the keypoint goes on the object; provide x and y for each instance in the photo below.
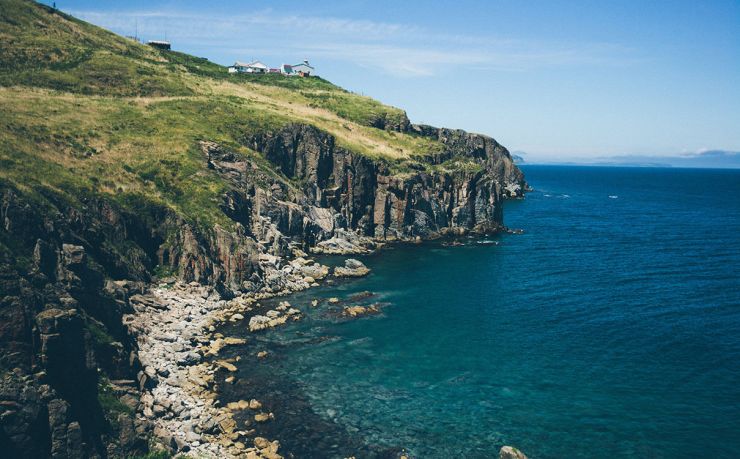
(177, 325)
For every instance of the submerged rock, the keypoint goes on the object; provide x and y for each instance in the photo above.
(258, 322)
(509, 452)
(358, 311)
(226, 365)
(263, 417)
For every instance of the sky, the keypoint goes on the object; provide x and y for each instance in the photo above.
(557, 80)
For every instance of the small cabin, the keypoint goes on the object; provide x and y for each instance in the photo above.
(302, 69)
(250, 67)
(165, 45)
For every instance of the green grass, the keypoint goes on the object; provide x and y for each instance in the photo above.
(360, 109)
(87, 113)
(110, 404)
(153, 455)
(99, 334)
(41, 47)
(163, 271)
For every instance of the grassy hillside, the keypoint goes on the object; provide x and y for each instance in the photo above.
(87, 111)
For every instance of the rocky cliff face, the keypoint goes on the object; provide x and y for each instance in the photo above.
(71, 369)
(61, 328)
(340, 190)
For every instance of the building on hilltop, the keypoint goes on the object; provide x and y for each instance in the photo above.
(286, 69)
(251, 67)
(159, 44)
(302, 69)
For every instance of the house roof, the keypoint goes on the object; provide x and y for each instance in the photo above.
(303, 64)
(255, 64)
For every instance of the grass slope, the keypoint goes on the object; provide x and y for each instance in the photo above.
(88, 112)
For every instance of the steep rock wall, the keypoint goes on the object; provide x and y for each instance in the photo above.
(365, 195)
(73, 267)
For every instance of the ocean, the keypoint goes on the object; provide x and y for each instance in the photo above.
(610, 328)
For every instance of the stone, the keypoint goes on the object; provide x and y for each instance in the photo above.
(262, 354)
(227, 425)
(357, 311)
(315, 272)
(190, 358)
(209, 426)
(181, 444)
(254, 405)
(263, 417)
(509, 452)
(258, 322)
(352, 268)
(192, 437)
(261, 442)
(226, 365)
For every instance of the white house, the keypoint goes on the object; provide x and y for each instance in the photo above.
(286, 69)
(302, 69)
(251, 67)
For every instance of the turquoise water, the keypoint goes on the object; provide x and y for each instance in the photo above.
(610, 328)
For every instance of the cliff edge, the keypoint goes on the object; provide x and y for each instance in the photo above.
(122, 164)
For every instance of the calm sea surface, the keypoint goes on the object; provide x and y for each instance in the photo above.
(610, 328)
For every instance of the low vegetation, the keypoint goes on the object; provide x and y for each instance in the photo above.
(87, 112)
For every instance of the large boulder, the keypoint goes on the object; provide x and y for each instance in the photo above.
(352, 268)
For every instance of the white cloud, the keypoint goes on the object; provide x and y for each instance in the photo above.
(396, 49)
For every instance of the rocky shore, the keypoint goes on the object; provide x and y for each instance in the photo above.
(140, 216)
(175, 326)
(110, 303)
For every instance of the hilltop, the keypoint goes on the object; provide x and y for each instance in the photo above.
(123, 165)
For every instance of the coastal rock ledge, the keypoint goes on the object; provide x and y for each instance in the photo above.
(109, 299)
(86, 375)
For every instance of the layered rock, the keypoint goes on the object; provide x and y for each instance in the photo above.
(341, 190)
(70, 271)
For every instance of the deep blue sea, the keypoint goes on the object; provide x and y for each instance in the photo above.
(610, 328)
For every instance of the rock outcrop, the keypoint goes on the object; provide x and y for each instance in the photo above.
(70, 271)
(341, 190)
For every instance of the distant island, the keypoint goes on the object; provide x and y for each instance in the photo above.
(718, 159)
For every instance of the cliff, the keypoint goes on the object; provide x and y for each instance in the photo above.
(122, 163)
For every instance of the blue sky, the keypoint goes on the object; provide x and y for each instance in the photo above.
(558, 80)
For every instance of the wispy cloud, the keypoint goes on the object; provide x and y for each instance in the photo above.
(397, 49)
